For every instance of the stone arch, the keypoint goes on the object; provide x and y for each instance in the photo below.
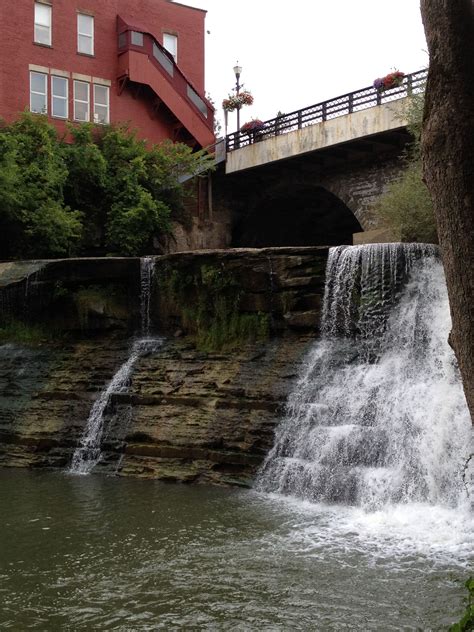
(300, 215)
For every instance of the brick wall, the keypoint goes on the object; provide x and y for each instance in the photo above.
(18, 51)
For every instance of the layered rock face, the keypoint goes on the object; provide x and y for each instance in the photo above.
(235, 326)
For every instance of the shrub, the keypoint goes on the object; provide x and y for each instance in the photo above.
(105, 189)
(35, 220)
(406, 206)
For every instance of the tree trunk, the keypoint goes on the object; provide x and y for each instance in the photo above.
(448, 162)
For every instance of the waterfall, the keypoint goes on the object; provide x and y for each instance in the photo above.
(147, 270)
(88, 453)
(378, 415)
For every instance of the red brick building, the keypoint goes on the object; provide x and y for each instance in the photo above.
(105, 61)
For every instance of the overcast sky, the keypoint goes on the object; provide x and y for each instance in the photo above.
(295, 53)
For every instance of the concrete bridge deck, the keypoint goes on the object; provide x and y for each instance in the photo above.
(364, 124)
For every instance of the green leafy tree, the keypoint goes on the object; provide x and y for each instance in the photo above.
(84, 188)
(36, 216)
(135, 215)
(100, 189)
(11, 227)
(144, 187)
(406, 206)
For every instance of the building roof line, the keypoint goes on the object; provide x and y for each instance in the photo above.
(187, 6)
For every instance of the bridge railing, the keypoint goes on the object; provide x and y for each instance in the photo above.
(345, 104)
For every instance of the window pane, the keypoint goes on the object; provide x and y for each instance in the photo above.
(42, 34)
(81, 101)
(101, 114)
(42, 23)
(81, 111)
(59, 86)
(163, 59)
(101, 95)
(196, 99)
(85, 34)
(101, 104)
(84, 44)
(38, 82)
(137, 38)
(81, 91)
(38, 103)
(42, 14)
(59, 107)
(170, 42)
(85, 24)
(59, 97)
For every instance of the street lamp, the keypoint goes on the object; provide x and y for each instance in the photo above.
(237, 73)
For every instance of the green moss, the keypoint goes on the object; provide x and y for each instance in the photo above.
(227, 333)
(206, 303)
(466, 624)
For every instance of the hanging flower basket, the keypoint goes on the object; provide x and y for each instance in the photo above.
(255, 125)
(392, 80)
(236, 101)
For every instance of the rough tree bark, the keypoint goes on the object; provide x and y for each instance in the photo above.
(448, 162)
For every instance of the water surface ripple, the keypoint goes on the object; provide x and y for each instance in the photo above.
(96, 553)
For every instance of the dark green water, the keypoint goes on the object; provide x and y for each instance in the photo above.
(92, 553)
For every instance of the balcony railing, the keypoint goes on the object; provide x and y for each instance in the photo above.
(345, 104)
(131, 39)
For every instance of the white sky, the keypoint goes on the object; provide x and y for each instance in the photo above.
(296, 53)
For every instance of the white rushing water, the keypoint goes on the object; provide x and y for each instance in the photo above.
(147, 271)
(377, 424)
(88, 453)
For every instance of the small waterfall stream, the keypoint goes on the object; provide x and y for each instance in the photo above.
(147, 270)
(88, 453)
(378, 416)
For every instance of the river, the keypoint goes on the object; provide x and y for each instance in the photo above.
(104, 553)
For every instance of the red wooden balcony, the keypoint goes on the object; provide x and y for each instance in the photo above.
(142, 59)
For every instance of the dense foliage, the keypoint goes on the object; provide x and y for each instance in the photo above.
(34, 218)
(101, 189)
(406, 206)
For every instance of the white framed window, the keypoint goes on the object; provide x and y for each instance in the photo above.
(81, 101)
(85, 34)
(59, 97)
(170, 42)
(101, 104)
(43, 18)
(38, 93)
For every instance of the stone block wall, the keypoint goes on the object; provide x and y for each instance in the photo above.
(190, 412)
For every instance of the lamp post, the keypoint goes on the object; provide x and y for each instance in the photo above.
(238, 72)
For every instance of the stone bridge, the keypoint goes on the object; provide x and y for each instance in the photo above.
(312, 177)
